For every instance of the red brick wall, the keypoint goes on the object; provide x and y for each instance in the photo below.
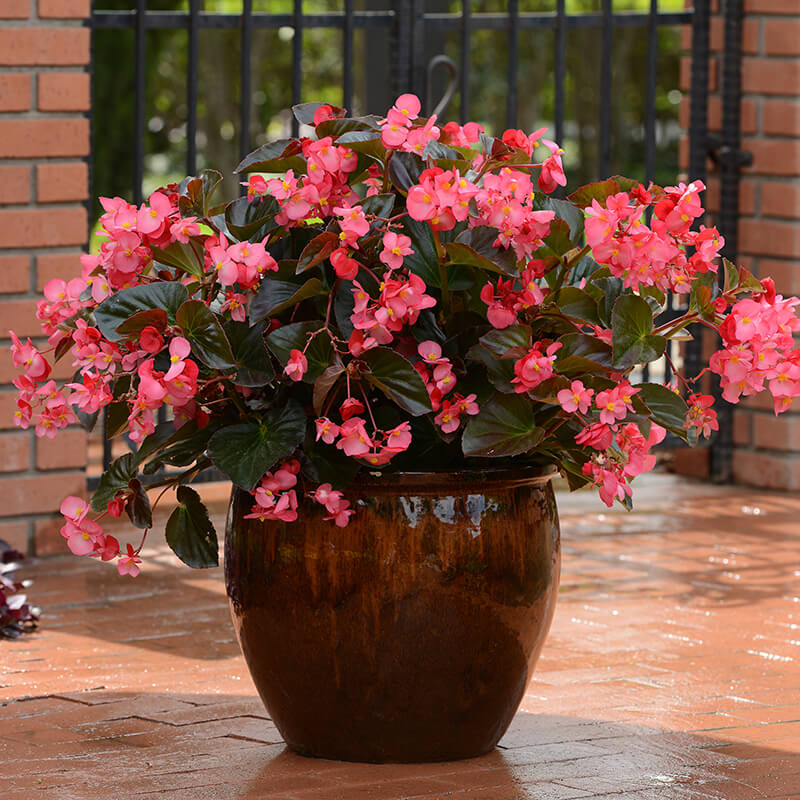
(44, 144)
(767, 451)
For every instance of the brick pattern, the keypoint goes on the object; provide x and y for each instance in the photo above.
(669, 673)
(44, 144)
(767, 448)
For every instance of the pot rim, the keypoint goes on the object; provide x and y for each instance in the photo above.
(434, 481)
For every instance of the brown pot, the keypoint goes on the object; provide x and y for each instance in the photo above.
(410, 634)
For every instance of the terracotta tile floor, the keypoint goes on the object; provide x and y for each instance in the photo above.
(672, 671)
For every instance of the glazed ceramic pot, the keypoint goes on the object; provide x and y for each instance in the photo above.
(410, 634)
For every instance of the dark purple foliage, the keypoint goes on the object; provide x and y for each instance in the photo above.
(17, 616)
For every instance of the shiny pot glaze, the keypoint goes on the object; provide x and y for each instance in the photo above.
(409, 635)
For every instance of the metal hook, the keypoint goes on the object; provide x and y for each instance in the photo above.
(451, 86)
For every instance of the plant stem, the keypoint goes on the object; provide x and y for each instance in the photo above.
(443, 277)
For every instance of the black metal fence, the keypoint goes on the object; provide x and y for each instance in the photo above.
(414, 31)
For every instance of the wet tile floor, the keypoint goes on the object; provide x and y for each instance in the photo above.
(672, 671)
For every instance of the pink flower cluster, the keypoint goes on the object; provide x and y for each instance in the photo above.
(320, 189)
(449, 418)
(399, 304)
(611, 470)
(243, 263)
(505, 302)
(354, 440)
(653, 255)
(759, 349)
(275, 496)
(85, 537)
(437, 372)
(399, 132)
(551, 174)
(335, 504)
(535, 367)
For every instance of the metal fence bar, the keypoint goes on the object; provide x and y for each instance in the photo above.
(560, 68)
(513, 63)
(387, 19)
(297, 60)
(698, 138)
(347, 55)
(139, 95)
(246, 77)
(191, 90)
(604, 142)
(651, 86)
(466, 58)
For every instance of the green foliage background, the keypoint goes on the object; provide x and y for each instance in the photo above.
(220, 95)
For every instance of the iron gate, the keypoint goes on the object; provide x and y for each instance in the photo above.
(412, 29)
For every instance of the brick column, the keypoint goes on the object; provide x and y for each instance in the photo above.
(768, 448)
(44, 145)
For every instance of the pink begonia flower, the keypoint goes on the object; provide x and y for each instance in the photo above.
(183, 229)
(27, 356)
(128, 564)
(351, 407)
(326, 430)
(151, 220)
(179, 349)
(534, 368)
(614, 404)
(236, 304)
(346, 267)
(353, 437)
(395, 246)
(701, 416)
(297, 366)
(576, 398)
(107, 549)
(552, 175)
(150, 340)
(597, 435)
(430, 352)
(256, 187)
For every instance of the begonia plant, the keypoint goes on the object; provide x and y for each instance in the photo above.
(388, 295)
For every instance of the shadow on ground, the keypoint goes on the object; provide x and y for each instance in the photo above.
(110, 745)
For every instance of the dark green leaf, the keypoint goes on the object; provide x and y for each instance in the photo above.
(476, 248)
(190, 533)
(317, 250)
(138, 506)
(611, 289)
(337, 127)
(275, 296)
(435, 149)
(405, 169)
(250, 354)
(559, 240)
(565, 210)
(195, 193)
(499, 373)
(504, 427)
(344, 302)
(599, 191)
(380, 205)
(245, 218)
(118, 308)
(574, 302)
(511, 342)
(397, 379)
(201, 327)
(187, 257)
(294, 337)
(580, 352)
(366, 142)
(134, 325)
(115, 479)
(304, 112)
(185, 447)
(323, 385)
(244, 452)
(668, 409)
(278, 156)
(632, 324)
(424, 261)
